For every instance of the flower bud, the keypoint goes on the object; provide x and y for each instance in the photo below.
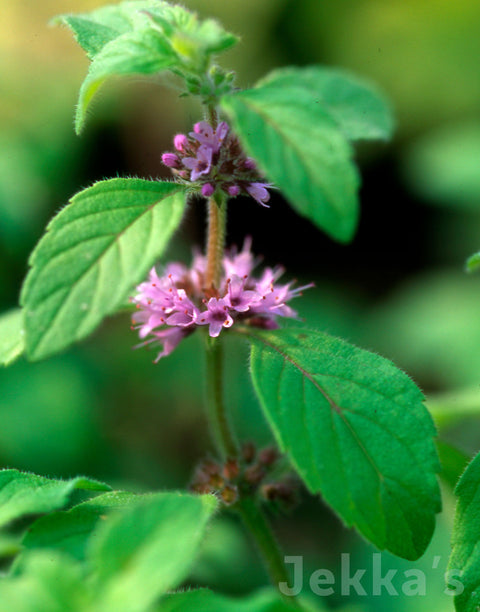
(171, 160)
(229, 495)
(207, 190)
(181, 143)
(233, 190)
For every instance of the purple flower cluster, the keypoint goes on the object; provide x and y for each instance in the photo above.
(214, 159)
(170, 307)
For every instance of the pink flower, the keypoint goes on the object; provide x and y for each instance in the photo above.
(216, 316)
(172, 306)
(204, 133)
(207, 190)
(238, 298)
(201, 164)
(181, 143)
(259, 192)
(239, 264)
(171, 160)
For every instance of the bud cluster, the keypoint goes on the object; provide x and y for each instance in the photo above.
(213, 158)
(248, 474)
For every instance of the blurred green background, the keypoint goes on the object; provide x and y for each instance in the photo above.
(399, 288)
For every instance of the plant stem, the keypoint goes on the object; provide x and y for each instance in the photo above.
(224, 438)
(257, 524)
(222, 433)
(215, 239)
(213, 116)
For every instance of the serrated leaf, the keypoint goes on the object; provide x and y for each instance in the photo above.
(95, 29)
(359, 108)
(464, 563)
(94, 251)
(356, 431)
(144, 37)
(22, 494)
(473, 263)
(48, 582)
(12, 341)
(68, 531)
(302, 150)
(148, 548)
(207, 601)
(142, 51)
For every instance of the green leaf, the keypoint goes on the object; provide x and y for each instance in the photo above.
(355, 429)
(359, 108)
(464, 564)
(94, 251)
(139, 52)
(142, 38)
(94, 30)
(148, 548)
(48, 582)
(12, 342)
(68, 531)
(193, 40)
(302, 150)
(22, 494)
(207, 601)
(473, 263)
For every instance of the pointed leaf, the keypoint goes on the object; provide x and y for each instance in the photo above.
(94, 251)
(68, 531)
(142, 51)
(356, 431)
(302, 150)
(148, 548)
(464, 564)
(95, 29)
(359, 108)
(473, 263)
(22, 494)
(12, 341)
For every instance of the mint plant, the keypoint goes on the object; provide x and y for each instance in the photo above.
(348, 423)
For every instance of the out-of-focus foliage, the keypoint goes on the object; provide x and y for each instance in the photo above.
(424, 53)
(444, 165)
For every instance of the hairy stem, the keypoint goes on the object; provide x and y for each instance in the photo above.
(215, 239)
(257, 524)
(213, 116)
(222, 433)
(225, 442)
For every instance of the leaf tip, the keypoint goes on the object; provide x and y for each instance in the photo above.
(473, 263)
